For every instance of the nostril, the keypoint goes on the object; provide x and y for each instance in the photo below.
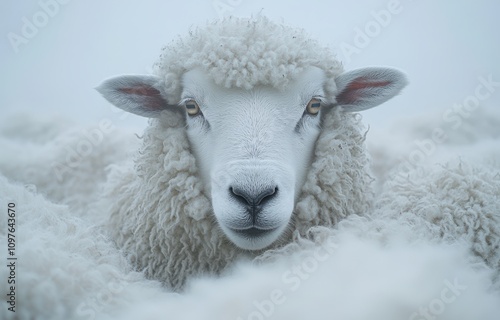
(266, 195)
(241, 196)
(253, 199)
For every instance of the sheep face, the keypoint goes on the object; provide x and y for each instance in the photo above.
(253, 146)
(253, 149)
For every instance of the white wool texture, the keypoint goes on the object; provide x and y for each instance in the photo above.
(67, 267)
(457, 201)
(452, 203)
(427, 230)
(378, 267)
(352, 279)
(475, 140)
(162, 219)
(63, 161)
(245, 52)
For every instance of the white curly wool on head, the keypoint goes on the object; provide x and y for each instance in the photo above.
(245, 52)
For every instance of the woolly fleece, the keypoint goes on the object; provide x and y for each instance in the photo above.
(63, 161)
(433, 225)
(388, 263)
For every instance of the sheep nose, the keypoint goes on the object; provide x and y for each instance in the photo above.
(253, 200)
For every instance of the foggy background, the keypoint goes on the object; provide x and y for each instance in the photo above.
(443, 47)
(55, 52)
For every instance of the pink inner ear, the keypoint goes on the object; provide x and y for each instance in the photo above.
(150, 98)
(141, 90)
(355, 90)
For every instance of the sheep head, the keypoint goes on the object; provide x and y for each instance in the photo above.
(254, 146)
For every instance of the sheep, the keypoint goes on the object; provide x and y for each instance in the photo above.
(395, 254)
(252, 138)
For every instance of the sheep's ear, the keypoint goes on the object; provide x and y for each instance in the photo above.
(366, 88)
(139, 94)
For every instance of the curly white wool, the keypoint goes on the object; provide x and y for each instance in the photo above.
(239, 52)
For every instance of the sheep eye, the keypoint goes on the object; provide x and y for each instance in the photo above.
(192, 108)
(313, 106)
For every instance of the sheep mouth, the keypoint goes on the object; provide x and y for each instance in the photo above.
(253, 232)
